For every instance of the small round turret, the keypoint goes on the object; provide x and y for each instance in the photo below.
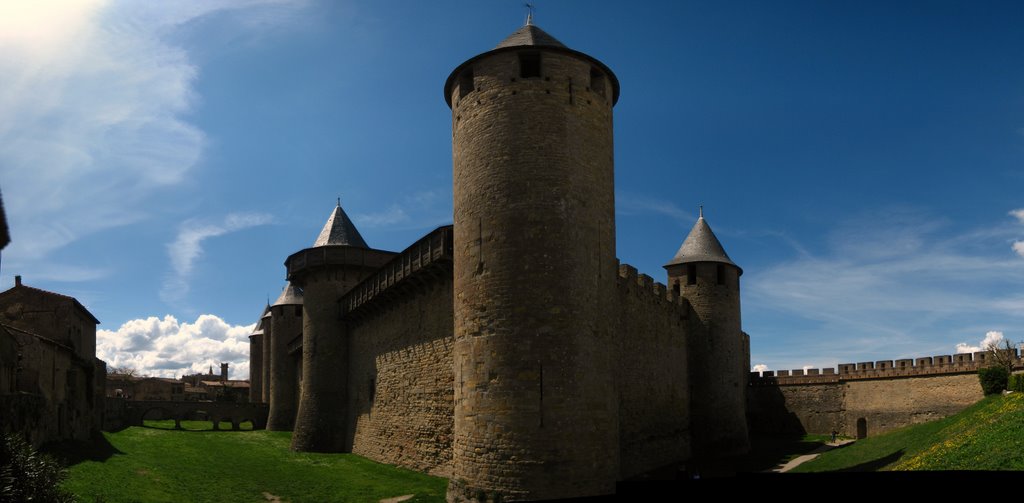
(286, 320)
(709, 280)
(338, 260)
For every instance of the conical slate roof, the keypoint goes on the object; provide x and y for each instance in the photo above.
(701, 245)
(339, 230)
(530, 35)
(259, 323)
(290, 296)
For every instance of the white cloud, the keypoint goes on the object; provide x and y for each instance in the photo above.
(992, 337)
(169, 348)
(94, 97)
(187, 248)
(1018, 246)
(1018, 214)
(760, 367)
(806, 367)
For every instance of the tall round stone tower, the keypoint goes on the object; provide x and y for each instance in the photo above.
(286, 323)
(338, 260)
(704, 274)
(536, 415)
(268, 339)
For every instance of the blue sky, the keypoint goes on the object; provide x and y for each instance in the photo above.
(862, 161)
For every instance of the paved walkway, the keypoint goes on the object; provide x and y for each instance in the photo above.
(799, 460)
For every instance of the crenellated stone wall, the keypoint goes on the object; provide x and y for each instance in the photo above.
(866, 398)
(651, 374)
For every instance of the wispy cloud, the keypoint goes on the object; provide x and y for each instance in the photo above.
(188, 247)
(893, 284)
(94, 97)
(169, 348)
(392, 216)
(426, 208)
(627, 203)
(1018, 214)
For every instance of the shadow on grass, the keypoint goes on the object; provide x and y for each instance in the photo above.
(875, 464)
(72, 452)
(766, 452)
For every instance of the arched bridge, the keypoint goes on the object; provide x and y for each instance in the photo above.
(236, 413)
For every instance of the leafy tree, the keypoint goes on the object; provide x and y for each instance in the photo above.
(26, 475)
(993, 379)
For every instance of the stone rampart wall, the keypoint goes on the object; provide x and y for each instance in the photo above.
(651, 374)
(400, 379)
(866, 398)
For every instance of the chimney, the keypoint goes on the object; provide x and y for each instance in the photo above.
(223, 372)
(17, 280)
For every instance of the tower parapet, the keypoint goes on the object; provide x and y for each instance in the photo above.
(704, 274)
(338, 260)
(534, 219)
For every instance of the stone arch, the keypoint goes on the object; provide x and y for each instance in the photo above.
(166, 412)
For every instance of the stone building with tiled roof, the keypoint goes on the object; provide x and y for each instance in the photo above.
(51, 383)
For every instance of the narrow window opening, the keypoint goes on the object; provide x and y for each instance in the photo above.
(529, 64)
(675, 287)
(597, 81)
(466, 83)
(691, 274)
(298, 311)
(720, 274)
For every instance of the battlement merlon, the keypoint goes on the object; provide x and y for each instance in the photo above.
(304, 261)
(960, 363)
(644, 286)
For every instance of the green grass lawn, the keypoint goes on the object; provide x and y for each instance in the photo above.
(153, 464)
(988, 435)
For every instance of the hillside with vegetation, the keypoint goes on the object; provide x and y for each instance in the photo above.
(986, 436)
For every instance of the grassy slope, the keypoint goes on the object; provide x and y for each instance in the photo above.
(986, 436)
(156, 465)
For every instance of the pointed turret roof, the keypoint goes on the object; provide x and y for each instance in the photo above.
(530, 34)
(291, 295)
(339, 230)
(701, 245)
(258, 330)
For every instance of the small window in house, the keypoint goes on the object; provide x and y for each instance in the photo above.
(466, 82)
(529, 64)
(597, 81)
(720, 274)
(691, 274)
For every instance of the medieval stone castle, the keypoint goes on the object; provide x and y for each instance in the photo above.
(511, 351)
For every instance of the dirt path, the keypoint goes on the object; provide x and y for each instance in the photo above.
(799, 460)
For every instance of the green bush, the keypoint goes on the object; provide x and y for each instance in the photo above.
(1016, 383)
(993, 379)
(26, 475)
